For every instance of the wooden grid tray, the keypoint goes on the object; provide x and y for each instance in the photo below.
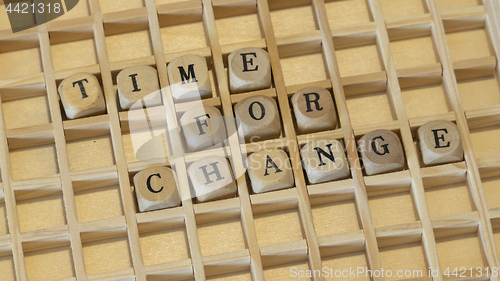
(394, 64)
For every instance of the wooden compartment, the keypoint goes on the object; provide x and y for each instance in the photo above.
(107, 255)
(408, 258)
(7, 267)
(334, 214)
(164, 242)
(237, 24)
(302, 63)
(491, 182)
(468, 44)
(72, 49)
(446, 5)
(388, 64)
(479, 92)
(49, 264)
(98, 200)
(292, 18)
(347, 12)
(426, 100)
(26, 112)
(451, 249)
(26, 161)
(403, 9)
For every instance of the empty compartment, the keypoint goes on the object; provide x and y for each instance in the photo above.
(403, 8)
(25, 162)
(107, 255)
(346, 262)
(91, 153)
(451, 253)
(468, 44)
(491, 187)
(479, 92)
(26, 112)
(485, 137)
(26, 58)
(358, 58)
(109, 6)
(98, 202)
(427, 100)
(49, 264)
(182, 32)
(290, 18)
(40, 212)
(302, 63)
(73, 49)
(334, 214)
(347, 12)
(237, 25)
(449, 200)
(368, 109)
(278, 227)
(446, 5)
(407, 260)
(7, 267)
(392, 209)
(241, 276)
(164, 242)
(127, 41)
(218, 237)
(293, 270)
(135, 144)
(414, 52)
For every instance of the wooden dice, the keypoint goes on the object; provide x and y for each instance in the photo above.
(314, 110)
(81, 96)
(381, 151)
(189, 78)
(249, 70)
(156, 188)
(138, 83)
(203, 127)
(258, 118)
(211, 178)
(269, 170)
(324, 160)
(440, 142)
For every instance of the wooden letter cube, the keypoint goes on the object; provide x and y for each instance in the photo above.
(81, 96)
(203, 127)
(258, 118)
(314, 110)
(440, 142)
(138, 83)
(156, 188)
(249, 70)
(189, 78)
(324, 160)
(212, 178)
(381, 151)
(269, 170)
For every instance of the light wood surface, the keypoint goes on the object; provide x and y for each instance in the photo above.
(65, 191)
